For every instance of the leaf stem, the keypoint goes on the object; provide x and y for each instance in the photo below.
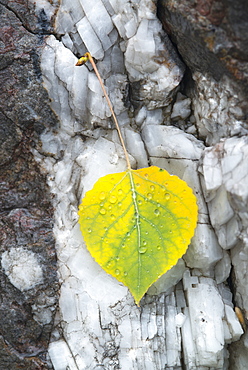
(82, 61)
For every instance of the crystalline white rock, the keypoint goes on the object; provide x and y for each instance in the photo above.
(143, 37)
(233, 323)
(239, 256)
(117, 85)
(90, 38)
(153, 117)
(189, 350)
(171, 142)
(131, 27)
(117, 20)
(79, 47)
(172, 335)
(102, 23)
(79, 97)
(68, 305)
(212, 168)
(207, 327)
(67, 41)
(96, 102)
(235, 169)
(64, 65)
(108, 7)
(88, 294)
(225, 178)
(181, 108)
(99, 164)
(67, 16)
(157, 80)
(63, 174)
(61, 362)
(240, 354)
(168, 280)
(204, 251)
(136, 147)
(222, 268)
(213, 108)
(42, 315)
(22, 268)
(228, 233)
(180, 319)
(117, 63)
(65, 23)
(51, 144)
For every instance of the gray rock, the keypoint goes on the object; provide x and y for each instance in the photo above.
(28, 274)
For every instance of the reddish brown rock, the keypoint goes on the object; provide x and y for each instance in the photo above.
(211, 35)
(26, 214)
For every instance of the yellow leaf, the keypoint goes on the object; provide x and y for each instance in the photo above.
(137, 224)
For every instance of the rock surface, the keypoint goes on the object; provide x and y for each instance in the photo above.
(176, 325)
(211, 37)
(188, 117)
(28, 262)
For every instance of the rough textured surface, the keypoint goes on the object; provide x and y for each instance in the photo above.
(189, 118)
(28, 263)
(211, 37)
(99, 325)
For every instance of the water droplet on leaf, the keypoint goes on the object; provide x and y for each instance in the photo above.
(142, 250)
(156, 212)
(103, 211)
(112, 199)
(102, 195)
(111, 264)
(167, 196)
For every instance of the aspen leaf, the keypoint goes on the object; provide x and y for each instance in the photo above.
(137, 224)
